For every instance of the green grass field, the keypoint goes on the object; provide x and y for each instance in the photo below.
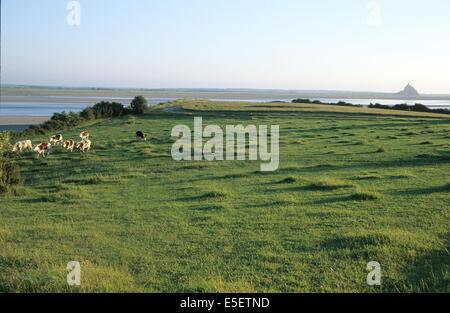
(352, 187)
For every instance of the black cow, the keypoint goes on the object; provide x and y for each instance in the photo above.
(140, 135)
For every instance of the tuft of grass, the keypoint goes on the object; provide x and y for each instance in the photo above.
(94, 180)
(214, 195)
(364, 196)
(131, 120)
(60, 197)
(288, 180)
(329, 184)
(367, 177)
(213, 207)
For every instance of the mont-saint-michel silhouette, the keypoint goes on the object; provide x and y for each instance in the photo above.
(409, 91)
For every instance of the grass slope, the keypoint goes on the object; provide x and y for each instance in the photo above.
(351, 188)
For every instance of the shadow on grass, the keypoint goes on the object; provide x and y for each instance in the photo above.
(430, 272)
(356, 242)
(422, 191)
(213, 195)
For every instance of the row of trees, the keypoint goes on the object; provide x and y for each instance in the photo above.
(107, 109)
(103, 109)
(405, 107)
(402, 107)
(308, 101)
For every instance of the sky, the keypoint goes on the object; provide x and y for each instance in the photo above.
(267, 44)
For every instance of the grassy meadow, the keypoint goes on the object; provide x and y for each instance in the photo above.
(354, 185)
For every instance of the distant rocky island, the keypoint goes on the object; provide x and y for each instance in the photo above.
(409, 92)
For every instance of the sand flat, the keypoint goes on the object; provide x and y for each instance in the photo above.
(22, 120)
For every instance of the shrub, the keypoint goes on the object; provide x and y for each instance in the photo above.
(301, 101)
(88, 114)
(107, 109)
(9, 173)
(5, 138)
(139, 105)
(381, 150)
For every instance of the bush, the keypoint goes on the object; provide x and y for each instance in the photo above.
(9, 173)
(107, 109)
(5, 138)
(139, 105)
(88, 114)
(301, 101)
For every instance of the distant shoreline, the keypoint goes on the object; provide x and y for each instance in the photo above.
(44, 94)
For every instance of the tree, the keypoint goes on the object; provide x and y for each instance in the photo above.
(139, 105)
(88, 114)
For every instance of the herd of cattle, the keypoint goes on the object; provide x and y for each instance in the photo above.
(84, 145)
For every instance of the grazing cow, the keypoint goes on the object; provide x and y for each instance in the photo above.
(21, 145)
(84, 145)
(69, 145)
(42, 148)
(84, 135)
(56, 139)
(140, 135)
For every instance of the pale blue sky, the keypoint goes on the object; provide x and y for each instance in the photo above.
(286, 44)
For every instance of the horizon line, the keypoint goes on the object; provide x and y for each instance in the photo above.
(2, 85)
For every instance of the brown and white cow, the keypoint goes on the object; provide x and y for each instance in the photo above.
(84, 135)
(22, 145)
(42, 148)
(84, 145)
(69, 145)
(56, 139)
